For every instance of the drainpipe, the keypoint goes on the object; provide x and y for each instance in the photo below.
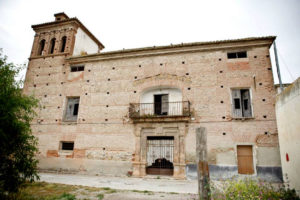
(277, 67)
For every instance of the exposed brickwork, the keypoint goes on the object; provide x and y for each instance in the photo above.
(52, 153)
(104, 131)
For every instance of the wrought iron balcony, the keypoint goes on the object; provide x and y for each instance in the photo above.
(159, 110)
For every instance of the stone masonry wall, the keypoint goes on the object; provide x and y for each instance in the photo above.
(104, 132)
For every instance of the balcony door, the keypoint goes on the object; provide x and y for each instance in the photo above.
(161, 104)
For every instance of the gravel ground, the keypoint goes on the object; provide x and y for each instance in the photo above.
(153, 184)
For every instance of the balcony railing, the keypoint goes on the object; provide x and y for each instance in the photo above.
(160, 109)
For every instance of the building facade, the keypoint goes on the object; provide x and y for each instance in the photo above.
(135, 112)
(288, 115)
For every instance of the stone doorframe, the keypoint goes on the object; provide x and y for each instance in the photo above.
(143, 130)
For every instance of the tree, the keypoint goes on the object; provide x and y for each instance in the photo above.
(18, 146)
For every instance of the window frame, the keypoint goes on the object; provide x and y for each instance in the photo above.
(232, 100)
(61, 146)
(72, 118)
(77, 68)
(236, 54)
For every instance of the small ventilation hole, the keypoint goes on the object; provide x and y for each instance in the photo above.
(221, 101)
(223, 117)
(263, 99)
(221, 86)
(265, 116)
(224, 133)
(107, 92)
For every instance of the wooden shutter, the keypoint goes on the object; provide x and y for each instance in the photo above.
(245, 159)
(164, 104)
(236, 103)
(246, 103)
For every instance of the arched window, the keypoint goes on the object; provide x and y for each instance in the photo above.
(63, 43)
(41, 47)
(52, 45)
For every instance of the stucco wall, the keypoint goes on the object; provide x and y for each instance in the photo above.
(84, 44)
(288, 122)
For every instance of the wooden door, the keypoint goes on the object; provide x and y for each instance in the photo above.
(245, 159)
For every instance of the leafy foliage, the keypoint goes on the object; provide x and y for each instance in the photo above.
(252, 190)
(17, 144)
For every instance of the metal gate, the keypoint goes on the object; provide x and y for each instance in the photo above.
(160, 155)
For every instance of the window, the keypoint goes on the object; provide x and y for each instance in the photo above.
(77, 68)
(72, 109)
(241, 103)
(245, 159)
(52, 45)
(240, 54)
(41, 47)
(63, 44)
(69, 146)
(161, 104)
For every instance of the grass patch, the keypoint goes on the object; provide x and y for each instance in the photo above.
(100, 196)
(144, 192)
(174, 193)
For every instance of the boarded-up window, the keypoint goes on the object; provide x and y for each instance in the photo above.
(245, 159)
(72, 109)
(241, 103)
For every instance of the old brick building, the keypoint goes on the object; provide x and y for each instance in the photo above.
(136, 110)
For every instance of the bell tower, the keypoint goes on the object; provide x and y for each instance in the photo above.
(53, 43)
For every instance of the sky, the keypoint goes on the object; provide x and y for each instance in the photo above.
(129, 24)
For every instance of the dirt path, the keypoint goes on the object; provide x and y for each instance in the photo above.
(153, 184)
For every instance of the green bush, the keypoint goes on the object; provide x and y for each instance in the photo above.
(248, 189)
